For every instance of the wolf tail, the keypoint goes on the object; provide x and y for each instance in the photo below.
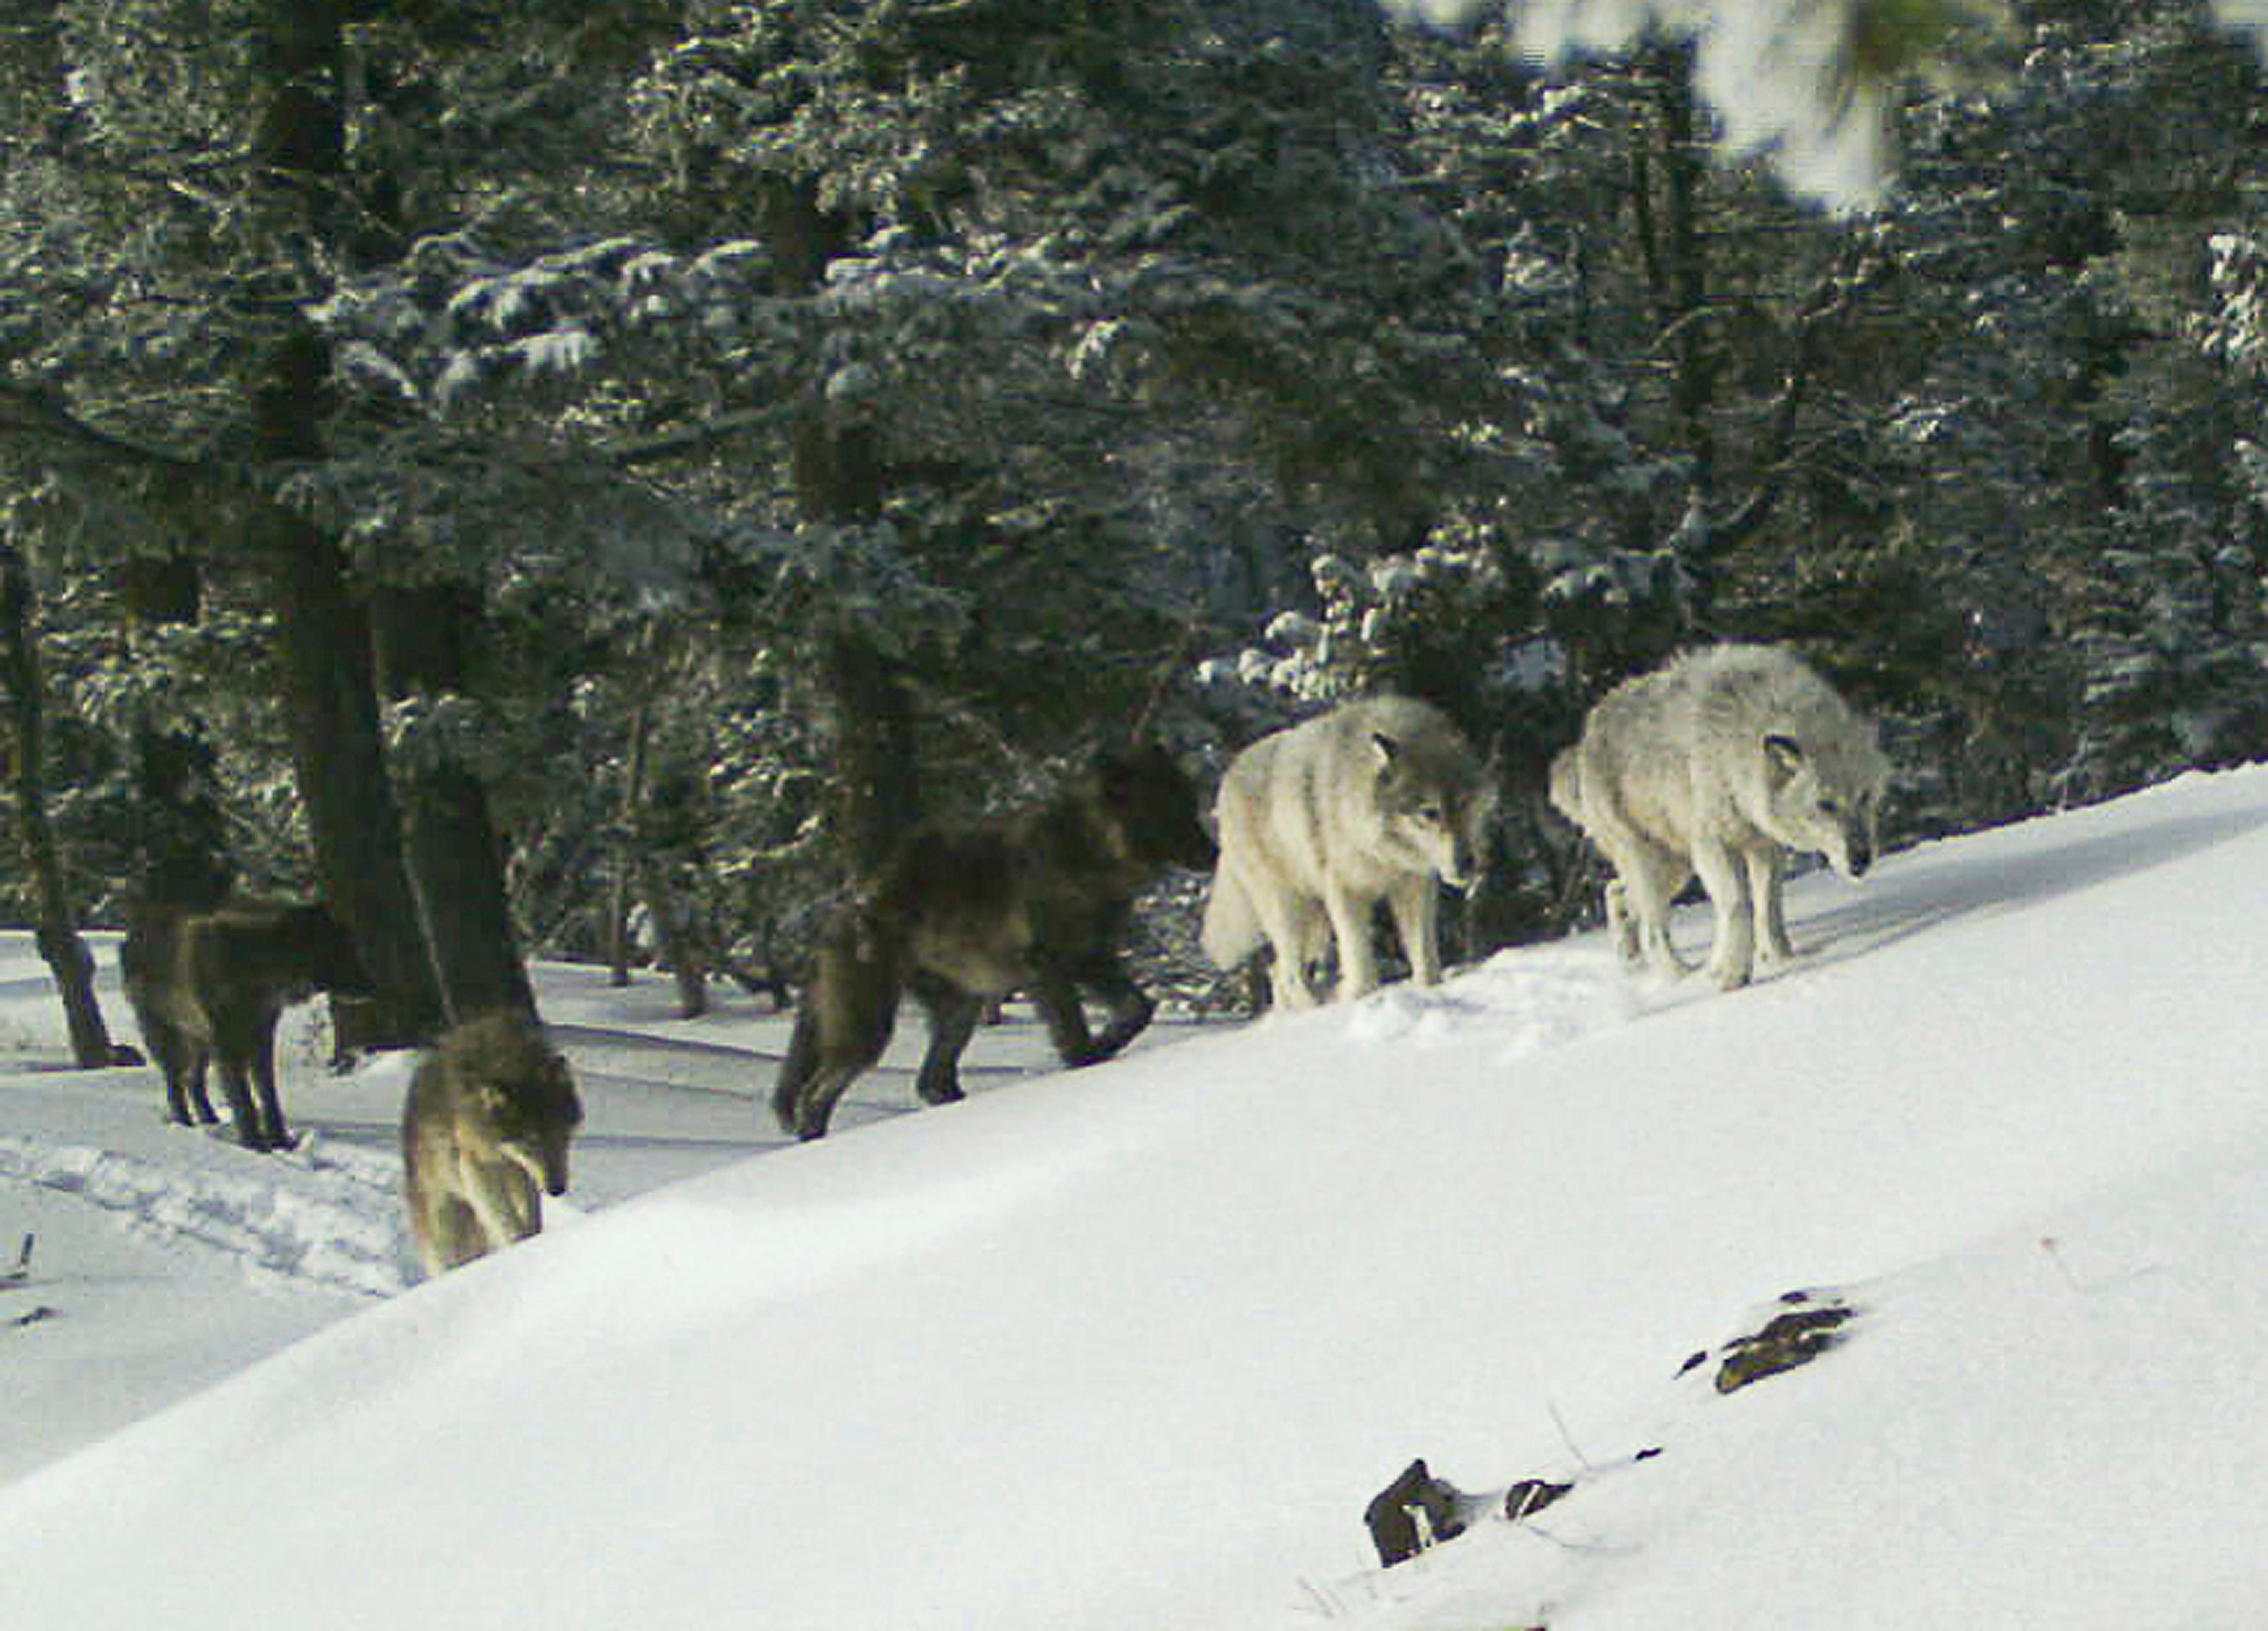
(1232, 929)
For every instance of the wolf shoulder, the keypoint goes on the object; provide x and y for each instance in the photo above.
(1334, 754)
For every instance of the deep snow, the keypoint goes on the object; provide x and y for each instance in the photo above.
(1132, 1347)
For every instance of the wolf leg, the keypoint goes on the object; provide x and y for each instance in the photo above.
(448, 1233)
(1130, 1007)
(273, 1134)
(798, 1068)
(1417, 904)
(1101, 973)
(1622, 928)
(953, 1015)
(1650, 877)
(1731, 955)
(1350, 927)
(1055, 995)
(182, 1060)
(1767, 871)
(505, 1202)
(200, 1101)
(1289, 923)
(842, 1026)
(817, 1104)
(243, 1114)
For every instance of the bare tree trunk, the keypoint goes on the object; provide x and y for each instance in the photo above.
(65, 953)
(626, 853)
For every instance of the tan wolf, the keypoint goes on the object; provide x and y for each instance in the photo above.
(484, 1136)
(1716, 765)
(1035, 900)
(1381, 799)
(209, 983)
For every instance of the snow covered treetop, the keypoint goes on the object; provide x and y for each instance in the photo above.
(1810, 83)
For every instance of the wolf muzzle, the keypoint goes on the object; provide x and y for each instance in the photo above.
(548, 1168)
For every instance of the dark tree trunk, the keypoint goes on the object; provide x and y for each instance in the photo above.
(876, 789)
(414, 868)
(681, 950)
(330, 709)
(60, 945)
(624, 890)
(456, 862)
(1681, 288)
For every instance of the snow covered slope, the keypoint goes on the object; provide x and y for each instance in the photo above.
(1132, 1347)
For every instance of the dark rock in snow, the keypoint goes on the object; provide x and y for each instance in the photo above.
(1415, 1511)
(1789, 1339)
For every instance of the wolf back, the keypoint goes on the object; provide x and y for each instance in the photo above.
(1715, 765)
(1036, 899)
(485, 1132)
(1381, 799)
(209, 983)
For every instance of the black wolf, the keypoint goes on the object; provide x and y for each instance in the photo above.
(1035, 900)
(210, 983)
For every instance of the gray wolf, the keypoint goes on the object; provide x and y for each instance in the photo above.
(1033, 900)
(1716, 765)
(209, 983)
(1377, 800)
(484, 1136)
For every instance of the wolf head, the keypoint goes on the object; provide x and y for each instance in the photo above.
(324, 950)
(1155, 806)
(534, 1143)
(519, 1096)
(1825, 797)
(1435, 807)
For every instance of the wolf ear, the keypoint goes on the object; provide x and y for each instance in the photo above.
(1783, 757)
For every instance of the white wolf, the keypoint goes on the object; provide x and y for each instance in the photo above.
(484, 1136)
(1717, 764)
(1378, 800)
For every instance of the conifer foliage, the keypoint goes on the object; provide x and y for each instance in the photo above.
(640, 455)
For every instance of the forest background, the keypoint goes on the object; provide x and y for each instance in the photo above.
(522, 467)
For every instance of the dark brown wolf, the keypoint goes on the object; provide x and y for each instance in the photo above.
(209, 983)
(484, 1136)
(1035, 900)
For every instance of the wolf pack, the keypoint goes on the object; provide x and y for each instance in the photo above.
(1716, 767)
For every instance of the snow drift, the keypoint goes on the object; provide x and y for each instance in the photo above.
(1133, 1346)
